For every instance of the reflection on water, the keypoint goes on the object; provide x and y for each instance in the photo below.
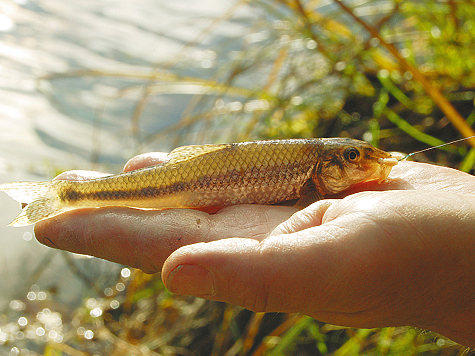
(6, 23)
(28, 324)
(83, 122)
(60, 121)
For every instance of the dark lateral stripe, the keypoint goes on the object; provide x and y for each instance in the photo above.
(252, 176)
(71, 195)
(74, 195)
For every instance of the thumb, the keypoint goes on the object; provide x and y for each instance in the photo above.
(260, 276)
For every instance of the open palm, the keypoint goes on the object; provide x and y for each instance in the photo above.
(382, 255)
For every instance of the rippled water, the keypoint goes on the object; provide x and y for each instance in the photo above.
(52, 125)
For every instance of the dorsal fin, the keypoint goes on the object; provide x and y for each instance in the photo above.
(185, 153)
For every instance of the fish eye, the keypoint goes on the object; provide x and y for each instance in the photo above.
(352, 154)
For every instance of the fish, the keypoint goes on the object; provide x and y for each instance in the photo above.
(213, 176)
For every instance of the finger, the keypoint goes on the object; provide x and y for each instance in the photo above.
(145, 160)
(326, 271)
(260, 276)
(138, 238)
(306, 218)
(80, 175)
(145, 238)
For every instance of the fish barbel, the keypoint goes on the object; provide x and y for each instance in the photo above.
(215, 176)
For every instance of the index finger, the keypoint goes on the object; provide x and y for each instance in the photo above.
(145, 160)
(145, 238)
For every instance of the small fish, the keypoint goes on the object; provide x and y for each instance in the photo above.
(208, 177)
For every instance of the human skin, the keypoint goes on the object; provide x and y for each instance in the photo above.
(391, 254)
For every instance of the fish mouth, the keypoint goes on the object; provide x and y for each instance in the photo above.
(385, 166)
(390, 162)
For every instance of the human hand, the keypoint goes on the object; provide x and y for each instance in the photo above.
(371, 259)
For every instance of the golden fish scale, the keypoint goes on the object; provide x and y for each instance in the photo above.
(239, 173)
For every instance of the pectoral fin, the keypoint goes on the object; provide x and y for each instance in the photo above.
(309, 194)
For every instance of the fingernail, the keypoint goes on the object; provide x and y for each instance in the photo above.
(190, 280)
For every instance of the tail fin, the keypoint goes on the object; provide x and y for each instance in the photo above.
(39, 197)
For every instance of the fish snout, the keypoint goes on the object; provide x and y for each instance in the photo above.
(390, 162)
(385, 166)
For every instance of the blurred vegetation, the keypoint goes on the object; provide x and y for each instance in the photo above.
(399, 74)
